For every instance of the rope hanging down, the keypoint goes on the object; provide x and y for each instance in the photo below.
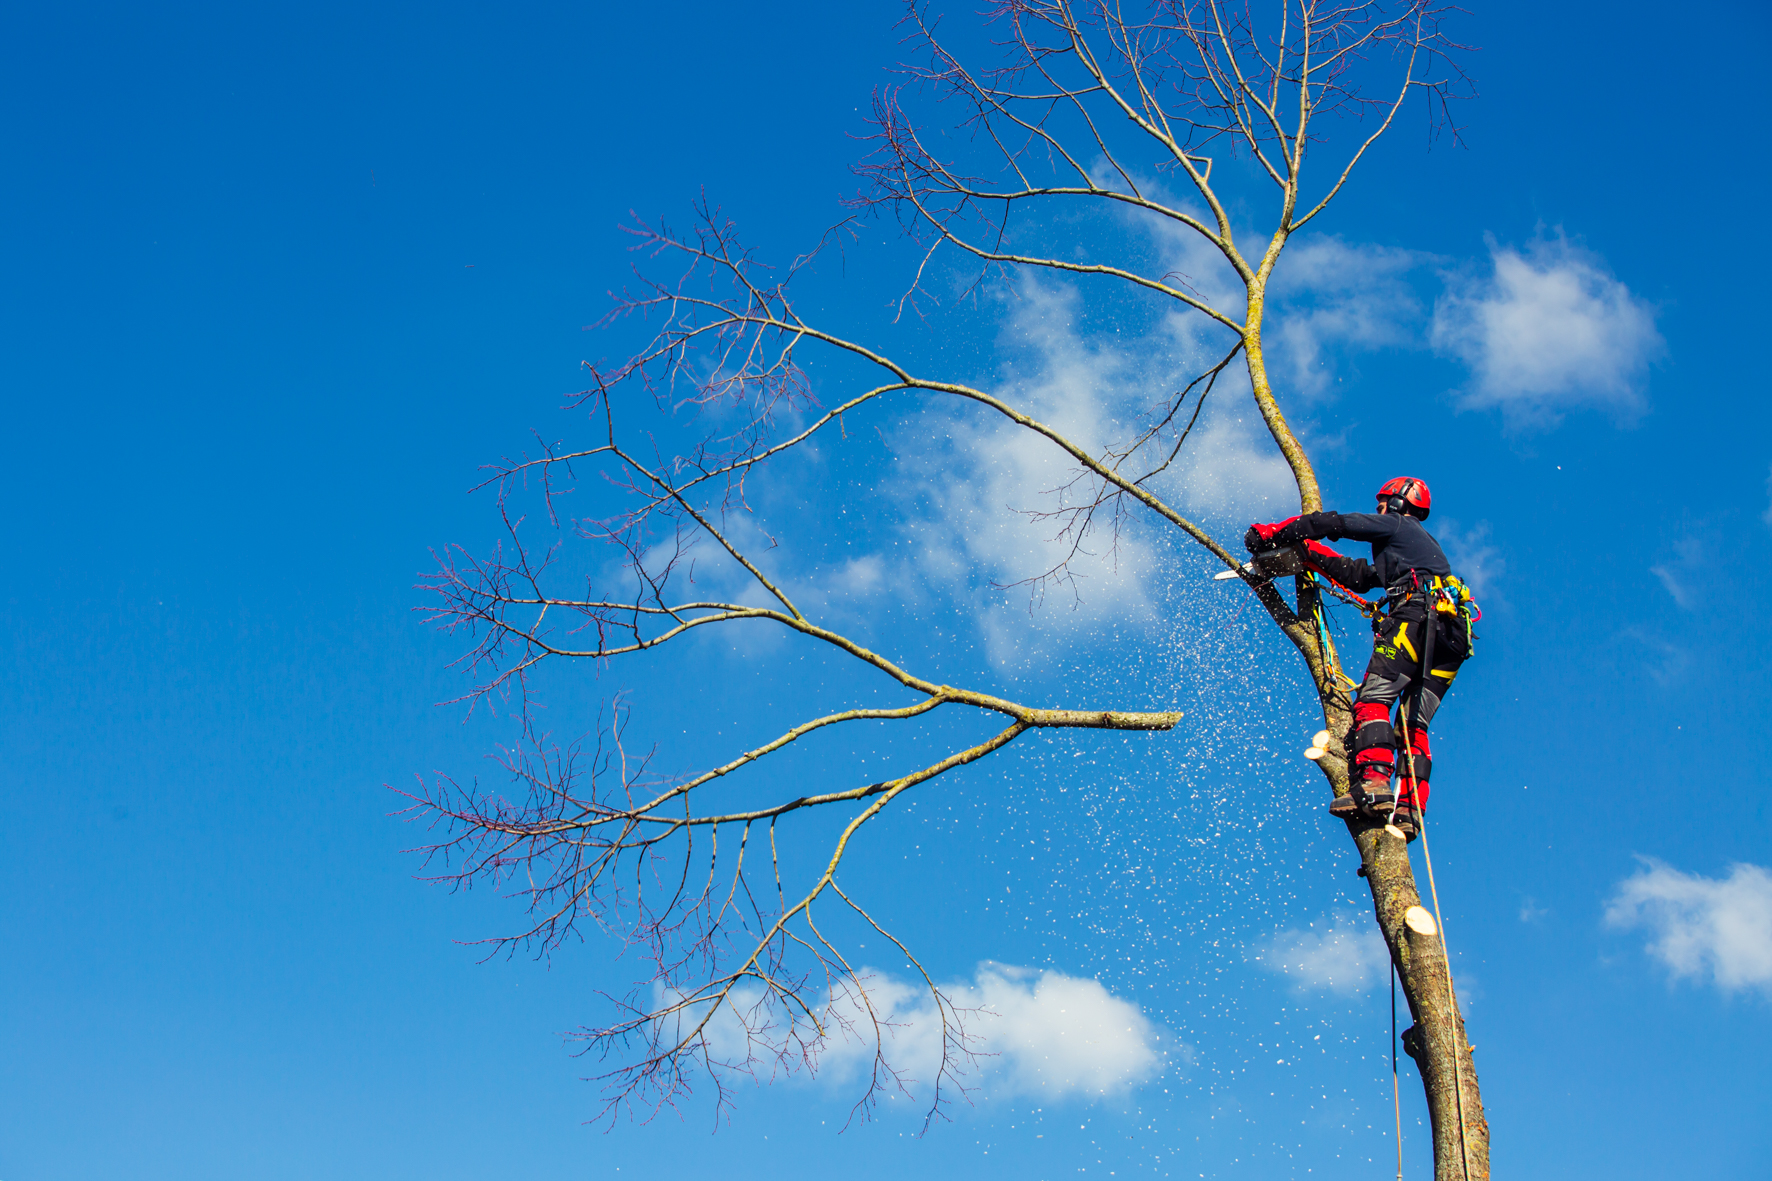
(1396, 1089)
(1332, 664)
(1427, 654)
(1451, 996)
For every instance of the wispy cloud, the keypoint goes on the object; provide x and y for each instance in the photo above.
(1683, 574)
(1702, 928)
(1668, 662)
(1336, 295)
(1328, 298)
(1547, 329)
(1473, 556)
(1550, 329)
(1336, 954)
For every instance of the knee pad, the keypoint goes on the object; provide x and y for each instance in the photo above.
(1372, 740)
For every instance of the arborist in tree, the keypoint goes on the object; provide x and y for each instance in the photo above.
(1413, 660)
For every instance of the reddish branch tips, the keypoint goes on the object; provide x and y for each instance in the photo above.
(1090, 104)
(1086, 106)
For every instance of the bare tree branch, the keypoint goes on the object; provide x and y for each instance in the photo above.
(1089, 107)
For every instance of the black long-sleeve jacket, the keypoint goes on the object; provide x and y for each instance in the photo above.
(1399, 544)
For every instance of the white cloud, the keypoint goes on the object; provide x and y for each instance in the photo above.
(1326, 295)
(979, 476)
(1036, 1033)
(1682, 576)
(1340, 955)
(1060, 1034)
(1550, 330)
(1669, 663)
(1716, 928)
(1334, 294)
(1473, 557)
(1028, 1032)
(1191, 263)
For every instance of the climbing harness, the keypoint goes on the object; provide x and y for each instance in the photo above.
(1331, 659)
(1448, 595)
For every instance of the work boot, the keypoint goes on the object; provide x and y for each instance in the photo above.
(1404, 819)
(1374, 803)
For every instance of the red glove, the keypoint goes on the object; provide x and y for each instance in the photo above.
(1261, 537)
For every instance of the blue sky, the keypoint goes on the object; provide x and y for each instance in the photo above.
(280, 279)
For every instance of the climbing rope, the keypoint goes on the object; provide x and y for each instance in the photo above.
(1331, 658)
(1365, 607)
(1332, 663)
(1396, 1088)
(1451, 996)
(1427, 650)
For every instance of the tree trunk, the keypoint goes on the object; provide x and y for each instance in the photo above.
(1437, 1040)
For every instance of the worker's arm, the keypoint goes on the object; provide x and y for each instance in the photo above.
(1334, 526)
(1356, 574)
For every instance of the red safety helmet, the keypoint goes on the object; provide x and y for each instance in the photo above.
(1406, 494)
